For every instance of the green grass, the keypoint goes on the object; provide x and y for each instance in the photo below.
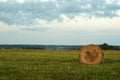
(56, 65)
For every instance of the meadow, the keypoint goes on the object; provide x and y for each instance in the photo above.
(55, 65)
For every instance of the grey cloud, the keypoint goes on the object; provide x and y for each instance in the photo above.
(13, 12)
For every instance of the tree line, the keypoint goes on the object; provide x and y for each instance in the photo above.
(105, 46)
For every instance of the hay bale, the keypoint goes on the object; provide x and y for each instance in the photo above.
(91, 54)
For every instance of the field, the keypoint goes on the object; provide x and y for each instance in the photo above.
(56, 65)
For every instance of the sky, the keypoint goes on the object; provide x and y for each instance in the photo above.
(60, 22)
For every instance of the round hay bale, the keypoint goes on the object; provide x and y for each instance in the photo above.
(91, 54)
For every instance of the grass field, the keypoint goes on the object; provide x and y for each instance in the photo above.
(56, 65)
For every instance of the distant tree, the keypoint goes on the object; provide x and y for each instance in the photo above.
(105, 46)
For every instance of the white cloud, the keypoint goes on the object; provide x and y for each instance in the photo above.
(25, 12)
(118, 12)
(82, 23)
(79, 23)
(20, 1)
(3, 0)
(5, 27)
(79, 30)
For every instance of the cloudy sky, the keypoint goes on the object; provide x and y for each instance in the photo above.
(61, 22)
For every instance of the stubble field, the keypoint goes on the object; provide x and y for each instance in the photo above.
(56, 65)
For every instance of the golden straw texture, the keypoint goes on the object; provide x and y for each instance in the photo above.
(91, 54)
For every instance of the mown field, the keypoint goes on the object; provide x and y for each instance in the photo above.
(56, 65)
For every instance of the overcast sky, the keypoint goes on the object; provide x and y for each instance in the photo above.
(60, 22)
